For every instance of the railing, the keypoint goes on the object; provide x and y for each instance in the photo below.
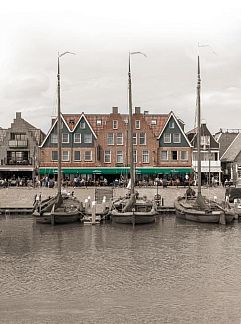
(19, 162)
(18, 143)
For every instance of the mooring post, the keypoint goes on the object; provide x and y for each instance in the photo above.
(93, 212)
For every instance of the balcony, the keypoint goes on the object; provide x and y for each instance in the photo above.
(18, 143)
(19, 162)
(214, 166)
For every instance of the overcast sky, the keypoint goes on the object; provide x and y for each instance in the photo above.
(102, 33)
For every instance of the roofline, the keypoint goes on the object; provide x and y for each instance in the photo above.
(173, 115)
(230, 145)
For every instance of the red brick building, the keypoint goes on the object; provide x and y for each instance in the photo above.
(96, 145)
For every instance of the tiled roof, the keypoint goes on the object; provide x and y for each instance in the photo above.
(233, 150)
(225, 139)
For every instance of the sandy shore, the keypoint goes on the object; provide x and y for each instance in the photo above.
(24, 197)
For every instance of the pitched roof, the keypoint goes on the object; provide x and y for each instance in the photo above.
(177, 122)
(224, 140)
(233, 150)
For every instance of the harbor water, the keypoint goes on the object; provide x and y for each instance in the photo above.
(171, 271)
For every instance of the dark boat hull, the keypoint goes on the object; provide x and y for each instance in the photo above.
(57, 218)
(201, 216)
(133, 217)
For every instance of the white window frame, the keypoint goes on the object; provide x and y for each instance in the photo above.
(90, 156)
(171, 124)
(118, 138)
(65, 159)
(79, 156)
(54, 138)
(166, 155)
(98, 122)
(142, 137)
(107, 153)
(134, 138)
(181, 158)
(153, 122)
(138, 124)
(179, 138)
(75, 141)
(67, 141)
(52, 155)
(113, 139)
(119, 156)
(145, 155)
(91, 138)
(115, 124)
(165, 140)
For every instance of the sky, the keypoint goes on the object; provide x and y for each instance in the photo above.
(102, 33)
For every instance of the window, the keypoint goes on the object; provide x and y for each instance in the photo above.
(88, 138)
(145, 156)
(167, 138)
(119, 139)
(98, 122)
(184, 155)
(171, 124)
(142, 138)
(138, 124)
(107, 156)
(174, 155)
(153, 122)
(65, 138)
(54, 155)
(54, 138)
(65, 155)
(134, 139)
(205, 140)
(88, 155)
(119, 157)
(82, 125)
(77, 156)
(135, 156)
(115, 124)
(77, 138)
(164, 155)
(177, 138)
(110, 139)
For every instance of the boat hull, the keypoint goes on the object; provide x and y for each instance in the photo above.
(133, 217)
(57, 218)
(202, 216)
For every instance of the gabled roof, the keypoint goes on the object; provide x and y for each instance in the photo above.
(192, 136)
(233, 150)
(171, 115)
(70, 127)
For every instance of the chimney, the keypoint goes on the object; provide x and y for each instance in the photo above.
(146, 112)
(137, 110)
(114, 110)
(18, 115)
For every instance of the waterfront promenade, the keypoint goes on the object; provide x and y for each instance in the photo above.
(22, 197)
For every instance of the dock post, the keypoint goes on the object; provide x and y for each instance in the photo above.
(93, 212)
(222, 219)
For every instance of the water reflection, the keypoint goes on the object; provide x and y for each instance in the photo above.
(168, 272)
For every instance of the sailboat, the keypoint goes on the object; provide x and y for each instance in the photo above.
(198, 208)
(64, 207)
(132, 209)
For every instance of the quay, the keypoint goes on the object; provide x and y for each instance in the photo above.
(19, 200)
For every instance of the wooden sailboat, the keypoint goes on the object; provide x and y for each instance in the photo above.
(132, 209)
(200, 209)
(64, 207)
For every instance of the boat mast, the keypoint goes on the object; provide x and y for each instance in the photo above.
(199, 128)
(132, 172)
(59, 133)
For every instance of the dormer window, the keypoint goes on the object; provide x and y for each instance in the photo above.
(115, 124)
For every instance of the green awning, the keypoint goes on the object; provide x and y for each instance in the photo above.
(115, 170)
